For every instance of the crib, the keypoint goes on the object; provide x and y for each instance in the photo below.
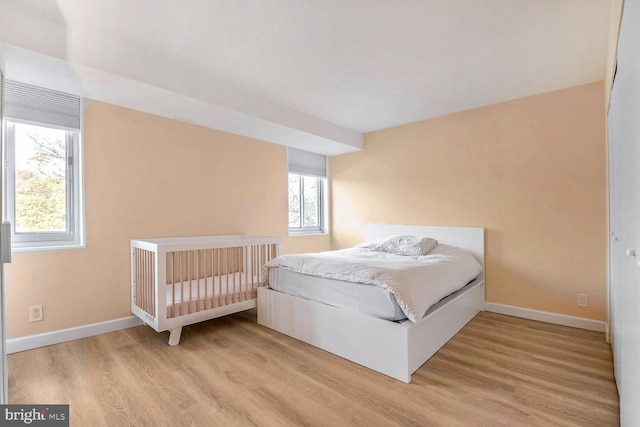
(184, 280)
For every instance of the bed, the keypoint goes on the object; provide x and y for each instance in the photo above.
(178, 281)
(392, 346)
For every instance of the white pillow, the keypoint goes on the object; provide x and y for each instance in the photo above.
(403, 245)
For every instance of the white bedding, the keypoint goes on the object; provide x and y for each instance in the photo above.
(417, 282)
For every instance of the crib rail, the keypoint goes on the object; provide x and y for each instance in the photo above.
(203, 279)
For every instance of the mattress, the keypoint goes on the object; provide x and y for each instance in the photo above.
(364, 299)
(205, 293)
(416, 282)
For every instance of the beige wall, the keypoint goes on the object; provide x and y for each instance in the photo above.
(304, 244)
(531, 171)
(146, 176)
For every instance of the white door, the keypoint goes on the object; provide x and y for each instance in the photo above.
(615, 336)
(4, 367)
(625, 216)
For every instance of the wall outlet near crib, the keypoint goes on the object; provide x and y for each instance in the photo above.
(35, 313)
(583, 300)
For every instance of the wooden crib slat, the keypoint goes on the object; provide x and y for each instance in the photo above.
(230, 289)
(254, 260)
(230, 299)
(226, 276)
(206, 285)
(253, 268)
(201, 271)
(232, 276)
(201, 274)
(264, 261)
(237, 281)
(141, 297)
(193, 278)
(136, 275)
(144, 276)
(259, 274)
(214, 293)
(256, 273)
(187, 283)
(219, 275)
(175, 267)
(152, 280)
(221, 267)
(143, 282)
(243, 278)
(245, 267)
(152, 283)
(197, 254)
(190, 267)
(181, 267)
(146, 279)
(172, 257)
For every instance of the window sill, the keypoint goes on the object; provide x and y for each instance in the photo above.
(46, 248)
(308, 233)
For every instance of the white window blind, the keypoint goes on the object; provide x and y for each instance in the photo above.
(307, 163)
(35, 104)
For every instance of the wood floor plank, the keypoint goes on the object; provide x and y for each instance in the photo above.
(498, 371)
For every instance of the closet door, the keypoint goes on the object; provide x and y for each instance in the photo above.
(625, 215)
(615, 335)
(4, 371)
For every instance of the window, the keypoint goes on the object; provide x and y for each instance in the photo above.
(307, 182)
(43, 168)
(305, 203)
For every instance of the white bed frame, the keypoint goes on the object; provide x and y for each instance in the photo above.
(396, 349)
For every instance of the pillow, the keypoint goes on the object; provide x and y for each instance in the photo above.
(403, 245)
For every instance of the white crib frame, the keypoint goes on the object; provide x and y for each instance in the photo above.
(396, 349)
(160, 247)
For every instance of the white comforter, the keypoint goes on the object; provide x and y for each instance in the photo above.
(417, 282)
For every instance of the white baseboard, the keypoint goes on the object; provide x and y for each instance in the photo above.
(15, 345)
(546, 316)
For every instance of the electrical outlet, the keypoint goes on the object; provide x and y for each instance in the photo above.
(583, 300)
(35, 313)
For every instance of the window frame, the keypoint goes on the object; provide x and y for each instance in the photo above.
(320, 201)
(74, 235)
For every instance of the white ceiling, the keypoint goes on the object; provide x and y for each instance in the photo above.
(315, 74)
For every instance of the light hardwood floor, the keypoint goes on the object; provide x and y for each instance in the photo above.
(498, 371)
